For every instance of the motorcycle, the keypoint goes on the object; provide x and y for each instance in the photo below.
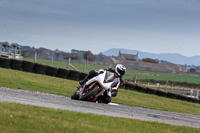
(95, 87)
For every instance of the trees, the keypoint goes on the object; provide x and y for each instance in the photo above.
(88, 56)
(73, 56)
(4, 43)
(101, 57)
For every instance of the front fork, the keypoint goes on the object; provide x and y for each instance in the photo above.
(79, 90)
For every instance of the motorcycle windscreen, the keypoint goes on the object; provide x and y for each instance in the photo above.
(109, 77)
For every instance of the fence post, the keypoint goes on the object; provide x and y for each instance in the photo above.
(52, 58)
(68, 65)
(35, 57)
(191, 92)
(84, 67)
(15, 52)
(166, 84)
(135, 78)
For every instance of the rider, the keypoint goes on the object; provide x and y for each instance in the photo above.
(119, 71)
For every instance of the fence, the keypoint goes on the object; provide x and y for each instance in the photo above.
(27, 66)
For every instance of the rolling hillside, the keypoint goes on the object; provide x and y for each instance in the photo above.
(171, 57)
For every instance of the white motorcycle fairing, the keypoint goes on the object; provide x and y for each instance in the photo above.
(105, 80)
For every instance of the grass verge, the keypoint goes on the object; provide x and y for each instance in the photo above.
(31, 119)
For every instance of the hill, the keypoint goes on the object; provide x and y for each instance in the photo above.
(171, 57)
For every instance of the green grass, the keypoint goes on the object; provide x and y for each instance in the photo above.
(155, 102)
(164, 76)
(30, 81)
(30, 119)
(152, 75)
(36, 82)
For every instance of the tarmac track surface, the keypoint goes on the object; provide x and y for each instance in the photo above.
(115, 110)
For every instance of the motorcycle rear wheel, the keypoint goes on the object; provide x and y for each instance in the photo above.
(89, 94)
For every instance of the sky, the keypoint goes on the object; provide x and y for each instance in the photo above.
(155, 26)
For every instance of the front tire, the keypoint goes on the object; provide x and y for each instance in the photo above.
(89, 94)
(75, 96)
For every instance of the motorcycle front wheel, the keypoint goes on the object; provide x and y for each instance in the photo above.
(75, 96)
(89, 94)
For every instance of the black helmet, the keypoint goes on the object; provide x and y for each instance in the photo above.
(120, 69)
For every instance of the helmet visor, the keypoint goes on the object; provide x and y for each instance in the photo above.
(121, 72)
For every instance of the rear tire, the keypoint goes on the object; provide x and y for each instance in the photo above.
(4, 62)
(74, 75)
(16, 64)
(28, 66)
(62, 73)
(89, 94)
(40, 69)
(51, 71)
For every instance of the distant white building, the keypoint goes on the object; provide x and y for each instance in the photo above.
(131, 61)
